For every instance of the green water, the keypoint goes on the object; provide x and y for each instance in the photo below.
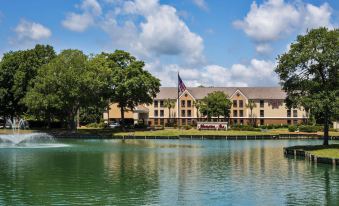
(164, 172)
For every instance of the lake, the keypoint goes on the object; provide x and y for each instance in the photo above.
(164, 172)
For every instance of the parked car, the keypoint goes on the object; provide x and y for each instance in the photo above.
(114, 125)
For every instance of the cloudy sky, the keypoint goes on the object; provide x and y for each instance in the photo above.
(210, 42)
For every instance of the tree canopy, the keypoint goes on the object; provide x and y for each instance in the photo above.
(17, 69)
(131, 85)
(309, 74)
(67, 83)
(215, 104)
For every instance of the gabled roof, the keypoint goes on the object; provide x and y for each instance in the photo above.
(201, 92)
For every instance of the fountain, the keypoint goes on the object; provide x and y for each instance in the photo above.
(27, 140)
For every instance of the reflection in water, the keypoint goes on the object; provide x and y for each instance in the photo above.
(166, 172)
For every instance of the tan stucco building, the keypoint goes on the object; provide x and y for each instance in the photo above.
(270, 107)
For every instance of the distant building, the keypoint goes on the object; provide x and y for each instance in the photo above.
(270, 107)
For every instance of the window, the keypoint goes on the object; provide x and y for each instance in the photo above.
(262, 113)
(161, 121)
(156, 113)
(262, 122)
(295, 113)
(189, 113)
(156, 121)
(288, 113)
(241, 121)
(235, 103)
(161, 103)
(295, 121)
(235, 121)
(241, 113)
(289, 122)
(262, 102)
(183, 113)
(241, 103)
(235, 113)
(155, 103)
(183, 103)
(161, 113)
(189, 103)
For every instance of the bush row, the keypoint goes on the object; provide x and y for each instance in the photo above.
(305, 128)
(96, 125)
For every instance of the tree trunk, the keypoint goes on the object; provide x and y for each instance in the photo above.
(251, 118)
(108, 114)
(122, 115)
(70, 119)
(326, 128)
(78, 118)
(169, 118)
(48, 120)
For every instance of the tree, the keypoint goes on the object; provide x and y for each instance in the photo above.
(251, 105)
(17, 69)
(309, 74)
(169, 104)
(215, 104)
(131, 84)
(197, 105)
(67, 83)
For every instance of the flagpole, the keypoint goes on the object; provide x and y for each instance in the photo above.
(178, 122)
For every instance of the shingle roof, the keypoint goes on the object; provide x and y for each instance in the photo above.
(249, 92)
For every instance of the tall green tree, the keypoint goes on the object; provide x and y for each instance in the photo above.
(17, 69)
(251, 105)
(67, 83)
(215, 104)
(309, 74)
(197, 105)
(169, 104)
(131, 84)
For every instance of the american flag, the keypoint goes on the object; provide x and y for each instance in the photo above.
(181, 85)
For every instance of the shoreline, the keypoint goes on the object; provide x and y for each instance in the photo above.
(74, 135)
(306, 153)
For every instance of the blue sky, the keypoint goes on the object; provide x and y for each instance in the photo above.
(210, 42)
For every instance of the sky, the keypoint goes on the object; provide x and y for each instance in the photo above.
(209, 42)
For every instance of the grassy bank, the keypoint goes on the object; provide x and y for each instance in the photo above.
(166, 132)
(176, 132)
(329, 153)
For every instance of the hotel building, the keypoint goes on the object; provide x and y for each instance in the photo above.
(270, 107)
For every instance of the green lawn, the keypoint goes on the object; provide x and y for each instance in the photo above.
(166, 132)
(329, 153)
(176, 132)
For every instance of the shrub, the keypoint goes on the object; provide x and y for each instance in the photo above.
(244, 128)
(292, 128)
(140, 126)
(270, 126)
(308, 128)
(187, 127)
(96, 125)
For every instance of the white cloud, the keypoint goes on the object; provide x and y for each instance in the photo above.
(201, 4)
(79, 22)
(263, 48)
(269, 21)
(256, 72)
(276, 19)
(27, 30)
(317, 16)
(161, 31)
(145, 28)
